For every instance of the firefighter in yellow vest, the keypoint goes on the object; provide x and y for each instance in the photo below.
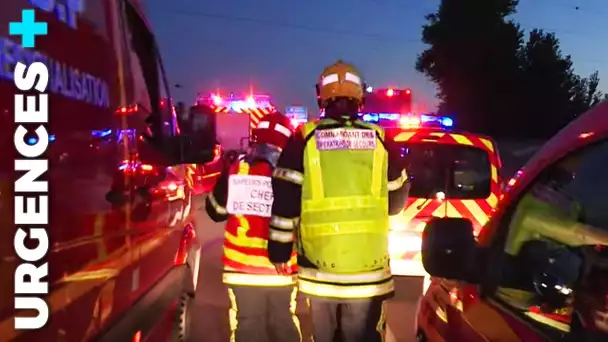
(334, 189)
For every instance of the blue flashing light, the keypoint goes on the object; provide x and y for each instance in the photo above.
(436, 120)
(102, 133)
(425, 119)
(375, 117)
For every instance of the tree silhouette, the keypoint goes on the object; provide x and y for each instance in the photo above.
(493, 81)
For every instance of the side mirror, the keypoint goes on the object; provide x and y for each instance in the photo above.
(449, 249)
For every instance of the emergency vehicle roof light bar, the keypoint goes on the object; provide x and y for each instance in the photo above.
(239, 104)
(409, 120)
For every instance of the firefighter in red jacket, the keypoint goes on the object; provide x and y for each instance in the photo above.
(263, 302)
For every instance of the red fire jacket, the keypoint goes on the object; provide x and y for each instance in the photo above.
(243, 197)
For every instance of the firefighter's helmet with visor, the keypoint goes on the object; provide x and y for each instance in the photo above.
(340, 80)
(270, 136)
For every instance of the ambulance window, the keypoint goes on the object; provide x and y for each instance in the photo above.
(556, 249)
(146, 75)
(460, 171)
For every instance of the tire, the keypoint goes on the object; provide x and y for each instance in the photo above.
(420, 337)
(183, 317)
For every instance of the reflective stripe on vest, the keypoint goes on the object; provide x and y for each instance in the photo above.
(344, 227)
(366, 277)
(236, 278)
(314, 288)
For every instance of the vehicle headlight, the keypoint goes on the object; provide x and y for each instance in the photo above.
(400, 242)
(397, 222)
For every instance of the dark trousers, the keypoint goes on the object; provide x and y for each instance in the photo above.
(263, 314)
(360, 320)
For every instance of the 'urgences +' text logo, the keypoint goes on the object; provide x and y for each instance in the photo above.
(31, 211)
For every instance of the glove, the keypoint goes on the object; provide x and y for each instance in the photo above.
(283, 268)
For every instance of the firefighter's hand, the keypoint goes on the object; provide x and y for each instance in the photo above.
(600, 319)
(283, 268)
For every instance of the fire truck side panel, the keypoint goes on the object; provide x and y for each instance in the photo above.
(104, 255)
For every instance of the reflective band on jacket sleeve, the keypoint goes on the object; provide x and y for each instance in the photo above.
(397, 183)
(218, 208)
(282, 222)
(288, 175)
(280, 236)
(367, 277)
(257, 279)
(347, 292)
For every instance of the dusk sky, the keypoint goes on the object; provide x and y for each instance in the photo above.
(281, 46)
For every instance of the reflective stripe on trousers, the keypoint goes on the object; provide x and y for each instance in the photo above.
(355, 320)
(262, 314)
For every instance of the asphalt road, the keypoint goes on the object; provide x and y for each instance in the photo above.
(210, 315)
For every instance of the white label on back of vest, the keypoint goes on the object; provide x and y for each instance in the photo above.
(249, 195)
(345, 139)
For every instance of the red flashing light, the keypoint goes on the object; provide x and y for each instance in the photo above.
(128, 109)
(408, 91)
(390, 92)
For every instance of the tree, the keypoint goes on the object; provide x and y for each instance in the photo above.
(549, 85)
(495, 83)
(553, 93)
(472, 59)
(589, 94)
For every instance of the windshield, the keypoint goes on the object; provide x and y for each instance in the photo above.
(399, 103)
(460, 171)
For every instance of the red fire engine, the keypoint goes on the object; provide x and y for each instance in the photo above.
(255, 105)
(229, 119)
(388, 100)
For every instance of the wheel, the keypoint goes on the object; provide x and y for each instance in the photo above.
(420, 337)
(183, 317)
